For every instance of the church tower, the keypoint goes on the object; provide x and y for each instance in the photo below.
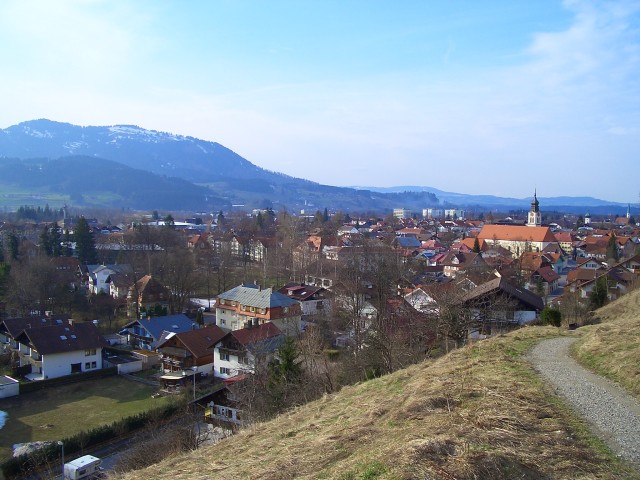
(534, 219)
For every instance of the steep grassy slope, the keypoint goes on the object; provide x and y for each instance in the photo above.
(612, 347)
(479, 412)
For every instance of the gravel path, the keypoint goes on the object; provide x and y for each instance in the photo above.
(614, 414)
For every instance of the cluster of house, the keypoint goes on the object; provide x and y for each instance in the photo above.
(528, 264)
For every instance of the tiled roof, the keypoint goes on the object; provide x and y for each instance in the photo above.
(253, 296)
(199, 341)
(516, 233)
(63, 338)
(14, 326)
(500, 284)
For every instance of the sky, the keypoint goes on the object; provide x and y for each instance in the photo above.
(493, 97)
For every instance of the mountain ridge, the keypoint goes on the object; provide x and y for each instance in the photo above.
(234, 180)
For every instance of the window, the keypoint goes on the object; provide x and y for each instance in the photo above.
(87, 366)
(243, 360)
(89, 352)
(225, 371)
(94, 365)
(224, 356)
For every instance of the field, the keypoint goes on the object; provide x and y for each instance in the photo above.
(479, 412)
(60, 412)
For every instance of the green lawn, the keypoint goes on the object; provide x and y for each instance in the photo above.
(60, 412)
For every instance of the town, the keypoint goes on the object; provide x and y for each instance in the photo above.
(237, 316)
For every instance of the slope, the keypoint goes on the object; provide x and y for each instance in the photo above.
(90, 181)
(612, 347)
(479, 412)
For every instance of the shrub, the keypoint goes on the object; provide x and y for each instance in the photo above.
(551, 316)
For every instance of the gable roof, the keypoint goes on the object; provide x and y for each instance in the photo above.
(198, 341)
(498, 285)
(516, 233)
(254, 296)
(265, 337)
(156, 325)
(63, 338)
(14, 326)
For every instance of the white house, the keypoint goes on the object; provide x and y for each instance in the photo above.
(59, 350)
(239, 350)
(98, 276)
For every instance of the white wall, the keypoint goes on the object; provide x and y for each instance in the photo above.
(232, 364)
(130, 367)
(59, 364)
(10, 387)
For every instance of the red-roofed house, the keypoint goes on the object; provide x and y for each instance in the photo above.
(239, 350)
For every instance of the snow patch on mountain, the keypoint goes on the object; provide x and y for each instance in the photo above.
(71, 147)
(32, 132)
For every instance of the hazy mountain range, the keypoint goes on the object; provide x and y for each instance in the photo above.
(130, 167)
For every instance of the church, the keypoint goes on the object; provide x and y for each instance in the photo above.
(532, 237)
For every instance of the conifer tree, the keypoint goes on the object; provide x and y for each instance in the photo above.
(85, 245)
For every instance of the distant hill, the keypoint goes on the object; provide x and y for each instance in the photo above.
(87, 181)
(563, 204)
(228, 176)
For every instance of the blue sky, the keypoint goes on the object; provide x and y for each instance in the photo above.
(496, 97)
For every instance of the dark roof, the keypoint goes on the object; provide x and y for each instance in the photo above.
(198, 341)
(14, 326)
(63, 338)
(498, 285)
(299, 291)
(263, 338)
(247, 336)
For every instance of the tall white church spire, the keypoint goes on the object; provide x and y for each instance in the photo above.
(534, 218)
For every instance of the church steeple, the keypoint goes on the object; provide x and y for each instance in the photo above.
(535, 205)
(534, 219)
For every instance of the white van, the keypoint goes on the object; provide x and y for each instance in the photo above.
(82, 468)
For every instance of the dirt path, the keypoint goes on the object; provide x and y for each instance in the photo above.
(613, 413)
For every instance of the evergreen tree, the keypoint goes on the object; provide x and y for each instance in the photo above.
(55, 241)
(612, 247)
(599, 295)
(13, 245)
(45, 241)
(476, 245)
(85, 245)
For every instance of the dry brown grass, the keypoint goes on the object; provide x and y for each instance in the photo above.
(612, 347)
(480, 412)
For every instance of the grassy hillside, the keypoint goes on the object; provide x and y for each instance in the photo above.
(612, 347)
(479, 412)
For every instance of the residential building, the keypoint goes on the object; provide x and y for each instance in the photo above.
(251, 305)
(61, 349)
(239, 351)
(146, 332)
(189, 351)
